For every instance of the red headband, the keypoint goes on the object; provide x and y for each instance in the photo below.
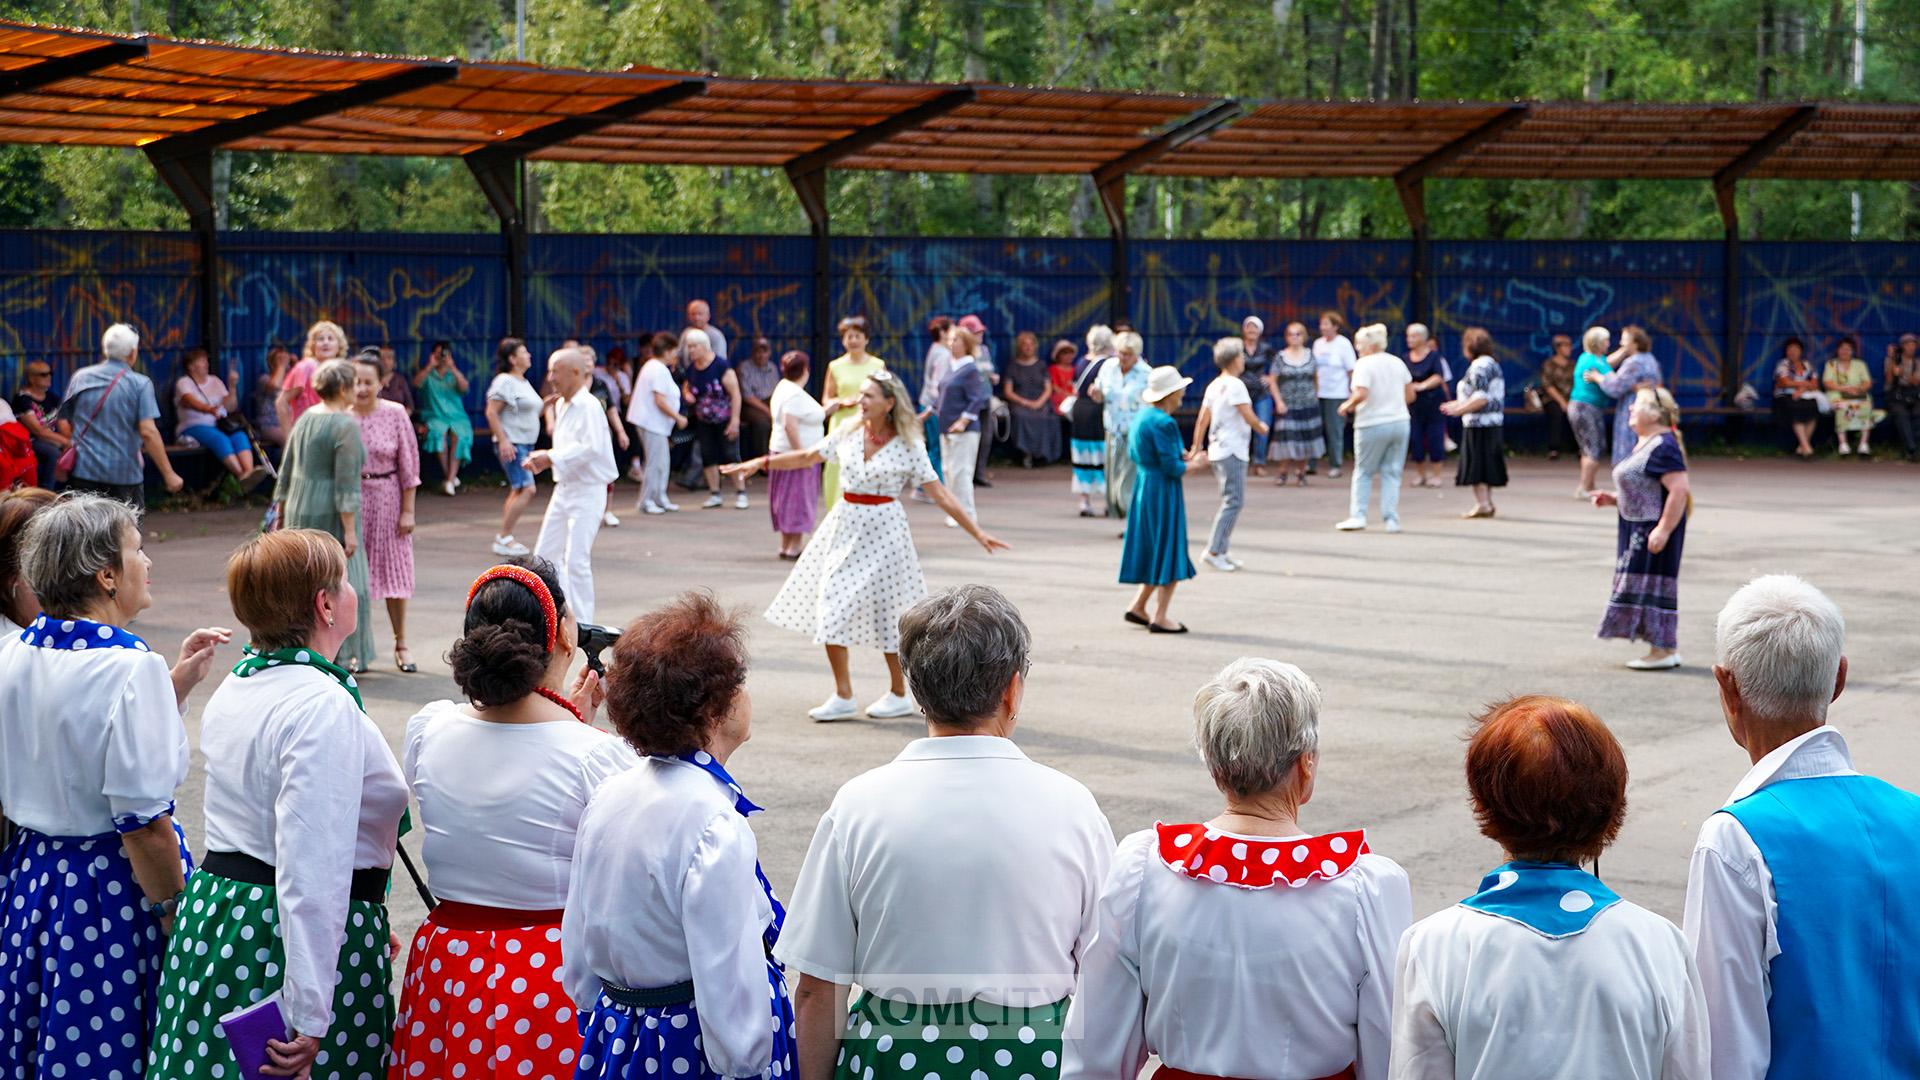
(532, 581)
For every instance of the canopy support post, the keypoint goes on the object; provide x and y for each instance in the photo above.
(811, 187)
(190, 178)
(500, 181)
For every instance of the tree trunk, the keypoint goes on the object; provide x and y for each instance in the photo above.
(1831, 51)
(1763, 53)
(222, 181)
(1379, 44)
(975, 70)
(1344, 23)
(1411, 75)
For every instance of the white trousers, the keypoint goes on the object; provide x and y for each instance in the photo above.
(566, 541)
(655, 447)
(957, 459)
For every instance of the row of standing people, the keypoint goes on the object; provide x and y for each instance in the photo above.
(603, 912)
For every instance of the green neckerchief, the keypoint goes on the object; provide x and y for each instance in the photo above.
(256, 662)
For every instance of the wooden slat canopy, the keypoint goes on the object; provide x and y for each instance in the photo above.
(81, 87)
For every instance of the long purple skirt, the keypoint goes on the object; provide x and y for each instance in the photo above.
(1645, 604)
(793, 497)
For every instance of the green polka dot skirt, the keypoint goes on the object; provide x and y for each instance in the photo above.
(973, 1040)
(225, 953)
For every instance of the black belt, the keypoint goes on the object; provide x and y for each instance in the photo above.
(659, 997)
(378, 475)
(369, 886)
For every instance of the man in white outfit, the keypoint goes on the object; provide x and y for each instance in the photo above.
(582, 462)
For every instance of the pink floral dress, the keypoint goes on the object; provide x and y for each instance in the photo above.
(393, 466)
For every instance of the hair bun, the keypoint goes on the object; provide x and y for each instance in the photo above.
(496, 664)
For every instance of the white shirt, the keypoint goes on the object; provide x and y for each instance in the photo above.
(643, 411)
(211, 390)
(1731, 916)
(520, 407)
(87, 737)
(960, 862)
(582, 450)
(299, 778)
(500, 803)
(1480, 997)
(1228, 433)
(1386, 379)
(1224, 981)
(1333, 361)
(933, 375)
(663, 891)
(792, 399)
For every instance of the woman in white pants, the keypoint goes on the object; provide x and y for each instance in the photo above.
(1381, 389)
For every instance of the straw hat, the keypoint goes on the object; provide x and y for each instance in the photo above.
(1162, 381)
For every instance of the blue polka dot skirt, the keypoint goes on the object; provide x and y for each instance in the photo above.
(626, 1043)
(79, 960)
(970, 1040)
(226, 953)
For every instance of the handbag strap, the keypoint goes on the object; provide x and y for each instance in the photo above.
(101, 404)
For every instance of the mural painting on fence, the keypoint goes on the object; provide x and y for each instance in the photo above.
(59, 290)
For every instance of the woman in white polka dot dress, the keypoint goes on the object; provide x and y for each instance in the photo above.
(860, 572)
(91, 750)
(303, 807)
(1243, 945)
(502, 782)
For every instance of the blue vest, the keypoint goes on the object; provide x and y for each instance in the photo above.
(1844, 852)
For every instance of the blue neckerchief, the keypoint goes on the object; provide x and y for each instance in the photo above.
(1553, 900)
(79, 634)
(700, 759)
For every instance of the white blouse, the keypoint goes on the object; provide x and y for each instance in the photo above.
(663, 891)
(299, 778)
(87, 737)
(961, 859)
(500, 803)
(1483, 997)
(791, 399)
(1285, 982)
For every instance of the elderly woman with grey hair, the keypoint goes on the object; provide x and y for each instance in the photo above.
(91, 750)
(956, 885)
(319, 488)
(1213, 936)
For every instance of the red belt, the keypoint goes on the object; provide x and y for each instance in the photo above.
(1167, 1072)
(455, 915)
(866, 500)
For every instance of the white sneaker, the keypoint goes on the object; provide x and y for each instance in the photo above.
(507, 545)
(834, 708)
(1393, 526)
(1219, 562)
(1352, 524)
(952, 524)
(1665, 663)
(1237, 564)
(1333, 474)
(609, 520)
(1845, 449)
(669, 506)
(892, 705)
(740, 500)
(446, 487)
(714, 500)
(650, 508)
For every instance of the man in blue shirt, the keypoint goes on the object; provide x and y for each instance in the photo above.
(965, 397)
(112, 410)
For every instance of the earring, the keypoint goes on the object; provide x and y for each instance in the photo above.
(329, 620)
(111, 593)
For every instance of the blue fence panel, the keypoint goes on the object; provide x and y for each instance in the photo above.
(59, 290)
(1524, 292)
(611, 290)
(1055, 288)
(1188, 293)
(1817, 292)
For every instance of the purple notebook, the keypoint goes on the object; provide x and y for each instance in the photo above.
(248, 1029)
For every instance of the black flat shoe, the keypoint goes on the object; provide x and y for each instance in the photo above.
(1138, 620)
(1156, 628)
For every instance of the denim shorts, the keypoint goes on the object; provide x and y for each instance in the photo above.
(517, 475)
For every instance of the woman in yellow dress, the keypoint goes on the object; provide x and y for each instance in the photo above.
(1850, 387)
(845, 377)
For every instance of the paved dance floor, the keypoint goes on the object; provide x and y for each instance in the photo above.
(1407, 635)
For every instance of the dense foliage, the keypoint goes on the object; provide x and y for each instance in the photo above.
(1722, 50)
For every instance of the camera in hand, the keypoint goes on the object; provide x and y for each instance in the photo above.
(594, 640)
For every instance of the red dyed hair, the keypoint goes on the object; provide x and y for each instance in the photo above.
(1547, 779)
(675, 673)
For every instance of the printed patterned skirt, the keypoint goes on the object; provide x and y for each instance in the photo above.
(1645, 605)
(482, 998)
(793, 499)
(79, 961)
(624, 1042)
(894, 1040)
(226, 953)
(1089, 466)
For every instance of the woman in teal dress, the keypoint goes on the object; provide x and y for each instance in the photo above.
(1154, 556)
(319, 488)
(443, 410)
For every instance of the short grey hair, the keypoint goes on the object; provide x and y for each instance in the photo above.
(68, 543)
(1227, 350)
(1782, 639)
(1419, 330)
(1596, 340)
(1371, 338)
(1129, 342)
(961, 648)
(696, 336)
(1253, 722)
(1100, 339)
(120, 342)
(334, 379)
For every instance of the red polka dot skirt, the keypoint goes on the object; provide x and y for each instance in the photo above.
(482, 999)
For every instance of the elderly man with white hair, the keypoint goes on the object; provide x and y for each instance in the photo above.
(1243, 945)
(112, 409)
(583, 466)
(1797, 898)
